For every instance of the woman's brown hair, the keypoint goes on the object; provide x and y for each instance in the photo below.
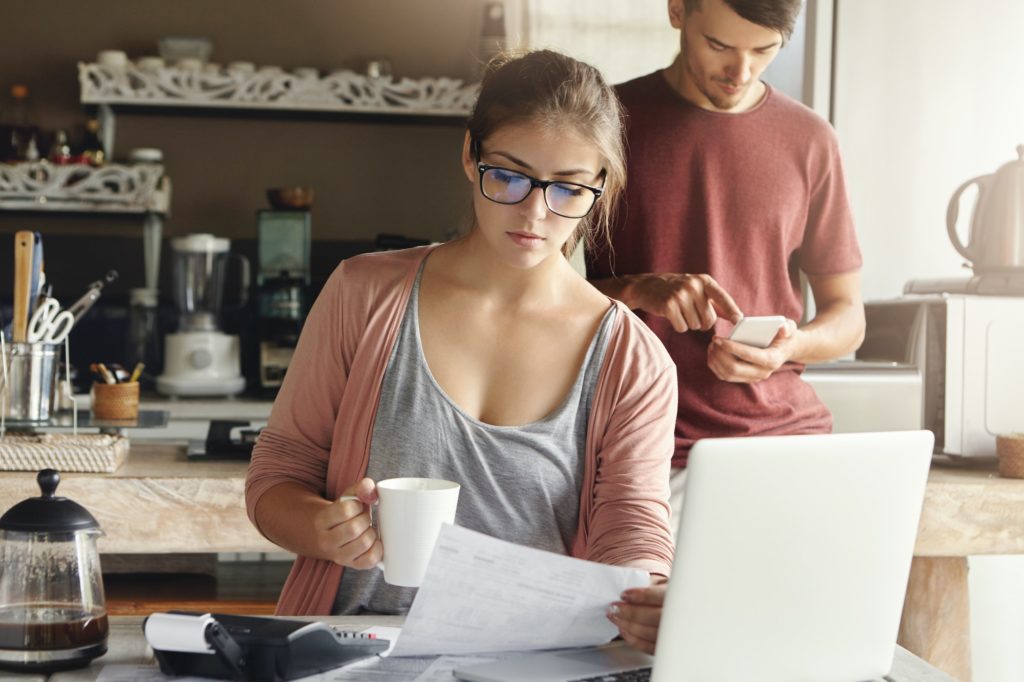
(552, 90)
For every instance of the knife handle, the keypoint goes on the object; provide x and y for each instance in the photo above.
(24, 244)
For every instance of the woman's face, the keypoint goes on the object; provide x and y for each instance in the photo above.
(527, 233)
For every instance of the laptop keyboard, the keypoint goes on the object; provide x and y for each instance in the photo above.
(639, 675)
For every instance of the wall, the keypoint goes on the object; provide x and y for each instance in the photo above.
(927, 94)
(371, 175)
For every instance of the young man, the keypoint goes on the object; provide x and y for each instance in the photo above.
(733, 189)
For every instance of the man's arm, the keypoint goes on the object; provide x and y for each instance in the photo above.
(837, 329)
(838, 324)
(686, 301)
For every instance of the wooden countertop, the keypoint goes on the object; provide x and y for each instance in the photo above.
(969, 510)
(159, 502)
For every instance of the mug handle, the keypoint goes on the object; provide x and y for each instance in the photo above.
(373, 519)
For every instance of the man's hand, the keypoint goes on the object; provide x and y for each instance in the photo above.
(686, 301)
(740, 363)
(638, 615)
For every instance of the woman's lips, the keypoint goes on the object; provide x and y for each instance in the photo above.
(525, 238)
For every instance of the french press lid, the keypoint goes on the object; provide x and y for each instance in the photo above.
(47, 513)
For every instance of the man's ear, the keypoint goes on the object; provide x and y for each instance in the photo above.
(676, 13)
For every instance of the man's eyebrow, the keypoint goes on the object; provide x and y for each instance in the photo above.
(718, 42)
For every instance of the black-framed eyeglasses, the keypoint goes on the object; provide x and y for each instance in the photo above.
(505, 186)
(567, 199)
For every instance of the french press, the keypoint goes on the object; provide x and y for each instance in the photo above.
(52, 610)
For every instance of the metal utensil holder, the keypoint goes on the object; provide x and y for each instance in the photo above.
(34, 381)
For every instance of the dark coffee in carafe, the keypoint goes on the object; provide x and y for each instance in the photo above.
(63, 633)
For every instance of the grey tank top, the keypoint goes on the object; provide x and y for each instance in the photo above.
(519, 483)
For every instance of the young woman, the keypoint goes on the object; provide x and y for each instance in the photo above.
(487, 361)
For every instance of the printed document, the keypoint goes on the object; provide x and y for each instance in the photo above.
(481, 595)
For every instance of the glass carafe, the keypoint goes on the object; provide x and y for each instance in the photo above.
(52, 610)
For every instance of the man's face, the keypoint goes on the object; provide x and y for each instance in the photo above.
(723, 55)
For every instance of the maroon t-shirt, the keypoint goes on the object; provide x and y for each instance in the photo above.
(751, 199)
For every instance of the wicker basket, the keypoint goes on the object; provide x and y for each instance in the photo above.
(115, 401)
(95, 452)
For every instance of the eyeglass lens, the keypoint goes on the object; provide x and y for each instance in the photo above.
(565, 199)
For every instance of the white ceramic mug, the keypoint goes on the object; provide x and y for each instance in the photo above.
(409, 515)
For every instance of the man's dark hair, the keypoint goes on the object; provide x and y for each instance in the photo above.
(779, 15)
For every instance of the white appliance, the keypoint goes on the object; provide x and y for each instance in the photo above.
(866, 396)
(200, 359)
(969, 350)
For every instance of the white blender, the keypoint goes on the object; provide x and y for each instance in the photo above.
(200, 359)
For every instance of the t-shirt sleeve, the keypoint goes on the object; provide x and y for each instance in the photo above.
(830, 241)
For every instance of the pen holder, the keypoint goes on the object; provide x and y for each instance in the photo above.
(115, 401)
(31, 378)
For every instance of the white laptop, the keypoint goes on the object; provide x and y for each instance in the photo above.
(791, 565)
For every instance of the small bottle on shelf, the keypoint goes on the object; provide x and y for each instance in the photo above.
(31, 153)
(60, 150)
(23, 132)
(92, 148)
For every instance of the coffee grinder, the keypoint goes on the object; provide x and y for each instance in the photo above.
(200, 359)
(282, 282)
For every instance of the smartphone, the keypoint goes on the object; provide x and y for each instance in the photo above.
(757, 331)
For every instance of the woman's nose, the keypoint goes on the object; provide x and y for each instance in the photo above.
(534, 206)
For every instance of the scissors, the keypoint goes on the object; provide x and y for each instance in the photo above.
(50, 324)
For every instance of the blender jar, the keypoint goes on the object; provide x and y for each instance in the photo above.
(52, 611)
(198, 268)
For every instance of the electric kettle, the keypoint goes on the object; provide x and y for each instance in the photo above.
(52, 610)
(996, 242)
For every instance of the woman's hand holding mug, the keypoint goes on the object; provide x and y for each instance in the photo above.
(345, 533)
(410, 514)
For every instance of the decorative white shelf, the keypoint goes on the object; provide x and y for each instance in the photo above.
(136, 189)
(112, 188)
(272, 88)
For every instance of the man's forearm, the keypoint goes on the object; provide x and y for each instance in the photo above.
(619, 288)
(835, 331)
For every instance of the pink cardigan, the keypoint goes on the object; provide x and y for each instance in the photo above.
(320, 427)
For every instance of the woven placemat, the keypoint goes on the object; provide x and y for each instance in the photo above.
(89, 452)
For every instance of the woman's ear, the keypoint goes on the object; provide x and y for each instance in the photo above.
(469, 158)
